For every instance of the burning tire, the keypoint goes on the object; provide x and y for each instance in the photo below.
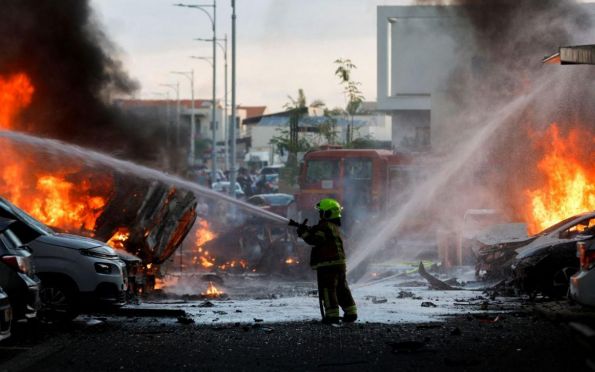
(58, 302)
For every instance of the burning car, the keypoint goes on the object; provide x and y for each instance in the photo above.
(582, 284)
(542, 263)
(74, 270)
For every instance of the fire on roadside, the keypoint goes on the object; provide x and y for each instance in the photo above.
(568, 170)
(202, 235)
(212, 291)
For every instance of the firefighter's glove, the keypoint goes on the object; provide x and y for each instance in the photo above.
(301, 230)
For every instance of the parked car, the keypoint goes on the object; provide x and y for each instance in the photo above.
(5, 316)
(266, 184)
(224, 188)
(582, 284)
(17, 273)
(76, 272)
(546, 263)
(276, 203)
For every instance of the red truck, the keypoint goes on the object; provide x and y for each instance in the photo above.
(364, 181)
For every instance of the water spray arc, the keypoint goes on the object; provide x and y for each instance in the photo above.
(91, 158)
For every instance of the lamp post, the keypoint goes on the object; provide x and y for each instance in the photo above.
(176, 88)
(213, 19)
(213, 121)
(225, 104)
(190, 76)
(167, 113)
(232, 128)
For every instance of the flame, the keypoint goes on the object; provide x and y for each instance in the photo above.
(119, 239)
(203, 235)
(292, 261)
(16, 93)
(569, 171)
(212, 291)
(234, 263)
(63, 198)
(167, 281)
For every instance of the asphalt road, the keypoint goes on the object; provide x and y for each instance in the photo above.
(518, 342)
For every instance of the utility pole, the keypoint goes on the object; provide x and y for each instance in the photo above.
(232, 128)
(214, 114)
(225, 92)
(213, 19)
(176, 88)
(190, 76)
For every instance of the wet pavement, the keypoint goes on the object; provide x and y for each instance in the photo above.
(519, 342)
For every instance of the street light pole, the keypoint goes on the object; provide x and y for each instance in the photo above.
(190, 76)
(225, 92)
(232, 128)
(213, 19)
(214, 121)
(176, 88)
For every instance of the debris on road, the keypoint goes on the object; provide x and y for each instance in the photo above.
(435, 283)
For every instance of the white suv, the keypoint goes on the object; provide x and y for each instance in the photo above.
(76, 273)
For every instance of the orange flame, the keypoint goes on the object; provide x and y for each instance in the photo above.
(119, 239)
(203, 235)
(167, 281)
(212, 291)
(16, 93)
(292, 261)
(569, 170)
(61, 198)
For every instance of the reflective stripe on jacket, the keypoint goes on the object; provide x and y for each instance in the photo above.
(327, 244)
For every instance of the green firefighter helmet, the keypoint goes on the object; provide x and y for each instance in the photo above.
(329, 208)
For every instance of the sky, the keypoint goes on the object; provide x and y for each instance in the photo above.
(282, 46)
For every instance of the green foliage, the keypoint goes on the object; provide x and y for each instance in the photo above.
(282, 142)
(296, 103)
(351, 88)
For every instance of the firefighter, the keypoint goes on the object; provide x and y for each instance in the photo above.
(328, 259)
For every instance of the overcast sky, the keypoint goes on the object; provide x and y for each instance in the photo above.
(283, 45)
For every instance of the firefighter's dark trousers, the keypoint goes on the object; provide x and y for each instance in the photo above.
(334, 291)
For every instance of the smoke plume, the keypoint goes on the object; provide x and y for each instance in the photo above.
(75, 71)
(503, 61)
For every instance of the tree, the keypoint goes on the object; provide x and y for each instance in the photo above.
(352, 92)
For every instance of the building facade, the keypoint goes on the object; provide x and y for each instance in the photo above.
(417, 49)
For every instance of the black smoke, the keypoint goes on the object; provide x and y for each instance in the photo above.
(502, 61)
(75, 71)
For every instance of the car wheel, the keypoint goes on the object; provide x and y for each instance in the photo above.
(58, 302)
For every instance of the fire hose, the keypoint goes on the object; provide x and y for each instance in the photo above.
(304, 225)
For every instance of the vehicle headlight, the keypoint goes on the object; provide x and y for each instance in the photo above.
(105, 268)
(100, 252)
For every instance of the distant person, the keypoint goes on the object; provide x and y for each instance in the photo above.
(245, 181)
(328, 259)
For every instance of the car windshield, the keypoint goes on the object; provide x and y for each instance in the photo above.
(556, 226)
(278, 199)
(318, 170)
(24, 217)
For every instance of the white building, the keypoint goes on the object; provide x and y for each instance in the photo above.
(417, 50)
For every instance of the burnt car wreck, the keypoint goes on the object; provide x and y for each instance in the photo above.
(540, 264)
